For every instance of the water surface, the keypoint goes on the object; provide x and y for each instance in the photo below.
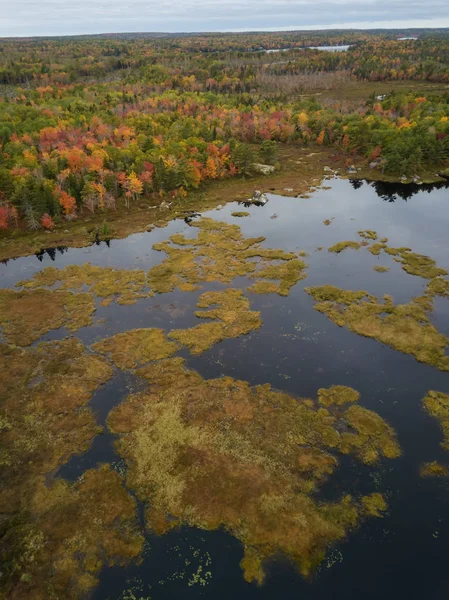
(298, 350)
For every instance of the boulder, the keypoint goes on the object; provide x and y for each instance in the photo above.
(264, 169)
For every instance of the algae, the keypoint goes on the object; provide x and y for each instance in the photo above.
(231, 319)
(136, 347)
(404, 327)
(220, 453)
(27, 315)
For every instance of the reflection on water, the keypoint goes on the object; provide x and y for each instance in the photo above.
(298, 350)
(390, 191)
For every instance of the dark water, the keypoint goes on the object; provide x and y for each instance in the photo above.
(405, 554)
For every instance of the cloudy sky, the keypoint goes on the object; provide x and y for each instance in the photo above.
(64, 17)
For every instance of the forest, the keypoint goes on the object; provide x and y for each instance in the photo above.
(90, 123)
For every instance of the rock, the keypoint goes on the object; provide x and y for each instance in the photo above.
(404, 178)
(374, 164)
(150, 227)
(352, 169)
(288, 189)
(165, 205)
(258, 199)
(66, 231)
(264, 169)
(219, 207)
(328, 169)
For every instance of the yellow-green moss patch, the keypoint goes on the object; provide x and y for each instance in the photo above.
(374, 504)
(220, 253)
(337, 395)
(43, 415)
(437, 405)
(434, 469)
(125, 285)
(368, 234)
(220, 453)
(340, 246)
(241, 213)
(438, 287)
(27, 315)
(136, 347)
(373, 437)
(67, 534)
(380, 269)
(55, 537)
(232, 318)
(404, 327)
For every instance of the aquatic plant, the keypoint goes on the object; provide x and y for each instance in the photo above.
(404, 327)
(136, 347)
(288, 273)
(337, 395)
(220, 453)
(368, 234)
(126, 286)
(232, 318)
(438, 287)
(240, 213)
(55, 537)
(437, 405)
(434, 469)
(381, 269)
(220, 253)
(43, 415)
(373, 437)
(27, 315)
(68, 532)
(340, 246)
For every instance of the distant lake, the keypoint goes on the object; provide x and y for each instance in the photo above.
(331, 48)
(325, 48)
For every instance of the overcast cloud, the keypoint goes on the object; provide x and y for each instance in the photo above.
(65, 17)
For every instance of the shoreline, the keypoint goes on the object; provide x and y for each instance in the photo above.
(302, 171)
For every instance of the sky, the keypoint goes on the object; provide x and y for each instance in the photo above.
(65, 17)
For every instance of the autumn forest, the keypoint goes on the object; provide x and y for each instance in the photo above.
(90, 123)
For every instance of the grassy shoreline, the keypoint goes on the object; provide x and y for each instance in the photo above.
(301, 172)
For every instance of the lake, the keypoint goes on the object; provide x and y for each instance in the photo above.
(324, 48)
(297, 350)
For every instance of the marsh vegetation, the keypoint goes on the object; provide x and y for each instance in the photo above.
(248, 411)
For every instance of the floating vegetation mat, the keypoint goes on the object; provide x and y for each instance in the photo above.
(411, 262)
(404, 327)
(124, 285)
(55, 536)
(220, 253)
(232, 318)
(220, 453)
(437, 405)
(27, 315)
(136, 347)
